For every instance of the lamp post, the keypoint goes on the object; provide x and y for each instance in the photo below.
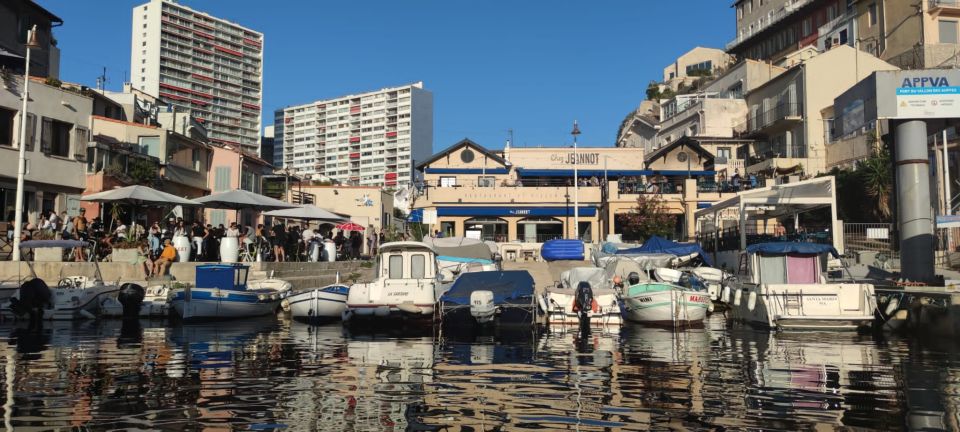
(566, 213)
(576, 185)
(22, 159)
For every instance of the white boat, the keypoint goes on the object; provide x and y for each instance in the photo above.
(407, 285)
(784, 286)
(659, 301)
(318, 304)
(222, 291)
(714, 279)
(155, 303)
(74, 297)
(558, 301)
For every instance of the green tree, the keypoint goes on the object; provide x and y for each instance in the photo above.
(143, 172)
(876, 173)
(653, 91)
(648, 218)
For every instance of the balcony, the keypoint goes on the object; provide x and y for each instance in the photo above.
(781, 116)
(945, 7)
(770, 21)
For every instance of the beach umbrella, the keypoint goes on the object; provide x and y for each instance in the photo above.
(139, 196)
(239, 199)
(307, 212)
(350, 226)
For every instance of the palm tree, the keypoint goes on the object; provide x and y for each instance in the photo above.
(877, 176)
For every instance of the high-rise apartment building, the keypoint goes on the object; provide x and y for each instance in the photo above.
(207, 66)
(367, 139)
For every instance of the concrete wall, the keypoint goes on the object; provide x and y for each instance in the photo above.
(366, 205)
(145, 59)
(421, 132)
(748, 75)
(708, 117)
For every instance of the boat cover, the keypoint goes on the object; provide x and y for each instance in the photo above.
(783, 248)
(595, 276)
(36, 244)
(505, 285)
(656, 244)
(461, 249)
(561, 249)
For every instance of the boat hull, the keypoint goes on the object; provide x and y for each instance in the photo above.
(830, 307)
(319, 304)
(506, 315)
(214, 303)
(72, 303)
(559, 311)
(667, 305)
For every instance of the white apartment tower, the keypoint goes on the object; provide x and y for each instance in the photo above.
(367, 139)
(207, 66)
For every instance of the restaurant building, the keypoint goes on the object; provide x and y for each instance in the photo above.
(530, 195)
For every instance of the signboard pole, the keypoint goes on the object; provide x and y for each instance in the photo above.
(913, 201)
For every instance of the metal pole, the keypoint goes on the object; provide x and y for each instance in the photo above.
(576, 185)
(946, 176)
(913, 201)
(22, 159)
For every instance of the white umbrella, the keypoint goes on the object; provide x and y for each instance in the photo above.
(239, 199)
(307, 212)
(138, 195)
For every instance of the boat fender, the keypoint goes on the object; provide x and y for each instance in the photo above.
(726, 295)
(892, 306)
(710, 307)
(285, 304)
(542, 302)
(86, 314)
(736, 297)
(752, 300)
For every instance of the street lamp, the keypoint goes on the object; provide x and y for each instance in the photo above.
(576, 185)
(22, 160)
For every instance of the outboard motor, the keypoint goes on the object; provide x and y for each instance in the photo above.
(482, 307)
(583, 303)
(33, 297)
(131, 298)
(633, 278)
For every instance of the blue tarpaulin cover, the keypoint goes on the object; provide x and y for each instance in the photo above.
(505, 285)
(792, 247)
(658, 244)
(561, 249)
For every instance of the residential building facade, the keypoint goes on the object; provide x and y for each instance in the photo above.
(366, 139)
(58, 130)
(18, 16)
(267, 148)
(202, 65)
(231, 168)
(693, 64)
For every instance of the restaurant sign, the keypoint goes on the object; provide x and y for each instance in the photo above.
(576, 158)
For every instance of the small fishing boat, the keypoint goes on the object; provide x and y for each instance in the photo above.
(74, 297)
(784, 286)
(489, 299)
(408, 285)
(560, 301)
(659, 301)
(222, 291)
(317, 305)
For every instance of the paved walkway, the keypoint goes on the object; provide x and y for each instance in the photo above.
(544, 273)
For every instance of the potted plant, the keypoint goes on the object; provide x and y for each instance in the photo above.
(46, 254)
(124, 250)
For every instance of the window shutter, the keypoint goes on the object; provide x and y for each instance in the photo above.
(81, 136)
(31, 131)
(46, 136)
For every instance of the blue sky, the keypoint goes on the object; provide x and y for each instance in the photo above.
(492, 65)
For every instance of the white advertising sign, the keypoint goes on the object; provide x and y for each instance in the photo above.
(429, 216)
(927, 97)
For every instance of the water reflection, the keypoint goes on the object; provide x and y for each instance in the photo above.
(270, 374)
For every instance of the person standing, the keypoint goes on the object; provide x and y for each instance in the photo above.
(277, 240)
(356, 241)
(198, 237)
(371, 242)
(80, 230)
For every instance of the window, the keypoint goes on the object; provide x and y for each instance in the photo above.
(872, 14)
(149, 145)
(55, 137)
(723, 152)
(418, 266)
(221, 179)
(196, 159)
(807, 27)
(486, 181)
(6, 126)
(395, 267)
(948, 31)
(448, 181)
(81, 136)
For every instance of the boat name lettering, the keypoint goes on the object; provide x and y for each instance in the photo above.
(643, 299)
(397, 294)
(699, 299)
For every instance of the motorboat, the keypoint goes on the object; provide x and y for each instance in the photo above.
(715, 279)
(74, 297)
(784, 286)
(663, 296)
(155, 303)
(559, 302)
(222, 291)
(408, 285)
(463, 255)
(317, 305)
(489, 299)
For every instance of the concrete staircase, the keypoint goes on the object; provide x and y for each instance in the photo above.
(312, 275)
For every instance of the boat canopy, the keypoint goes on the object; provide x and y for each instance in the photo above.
(36, 244)
(657, 244)
(505, 285)
(402, 245)
(461, 249)
(783, 248)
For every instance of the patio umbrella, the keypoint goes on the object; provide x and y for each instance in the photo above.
(350, 226)
(307, 212)
(139, 196)
(239, 199)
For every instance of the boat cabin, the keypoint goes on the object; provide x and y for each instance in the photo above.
(406, 260)
(788, 263)
(231, 277)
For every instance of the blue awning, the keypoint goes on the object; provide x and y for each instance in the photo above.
(685, 172)
(513, 211)
(465, 171)
(703, 205)
(524, 172)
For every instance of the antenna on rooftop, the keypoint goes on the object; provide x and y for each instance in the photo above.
(102, 80)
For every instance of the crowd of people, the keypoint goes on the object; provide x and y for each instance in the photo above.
(154, 245)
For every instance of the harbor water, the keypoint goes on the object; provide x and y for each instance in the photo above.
(272, 374)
